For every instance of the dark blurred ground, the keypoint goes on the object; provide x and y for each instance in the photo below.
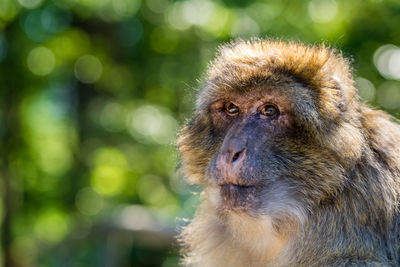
(92, 93)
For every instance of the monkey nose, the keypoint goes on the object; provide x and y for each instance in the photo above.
(230, 164)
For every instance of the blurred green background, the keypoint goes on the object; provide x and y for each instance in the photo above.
(92, 93)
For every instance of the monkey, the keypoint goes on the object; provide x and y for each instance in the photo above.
(294, 169)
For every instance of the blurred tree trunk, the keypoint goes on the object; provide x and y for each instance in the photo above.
(11, 93)
(10, 126)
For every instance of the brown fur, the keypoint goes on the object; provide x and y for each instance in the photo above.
(348, 175)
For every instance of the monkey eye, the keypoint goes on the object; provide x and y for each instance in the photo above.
(231, 109)
(270, 111)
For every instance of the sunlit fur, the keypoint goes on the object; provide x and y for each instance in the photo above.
(358, 172)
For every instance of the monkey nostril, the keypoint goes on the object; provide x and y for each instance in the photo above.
(237, 155)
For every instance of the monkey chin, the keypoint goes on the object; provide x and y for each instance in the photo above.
(236, 198)
(231, 199)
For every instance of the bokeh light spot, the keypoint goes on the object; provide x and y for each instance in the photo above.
(197, 12)
(387, 61)
(41, 61)
(8, 10)
(110, 156)
(147, 120)
(158, 6)
(219, 25)
(33, 27)
(125, 8)
(245, 26)
(107, 180)
(366, 90)
(322, 11)
(138, 218)
(389, 95)
(153, 124)
(119, 79)
(109, 174)
(55, 20)
(55, 156)
(30, 3)
(394, 64)
(88, 201)
(113, 117)
(93, 4)
(88, 69)
(49, 134)
(51, 226)
(151, 190)
(70, 44)
(175, 17)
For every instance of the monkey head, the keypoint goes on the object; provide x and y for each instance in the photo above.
(273, 130)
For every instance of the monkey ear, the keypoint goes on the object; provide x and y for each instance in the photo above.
(337, 91)
(342, 95)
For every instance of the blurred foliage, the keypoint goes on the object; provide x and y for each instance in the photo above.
(92, 93)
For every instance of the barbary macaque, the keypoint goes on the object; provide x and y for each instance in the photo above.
(295, 170)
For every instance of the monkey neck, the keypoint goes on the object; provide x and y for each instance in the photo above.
(231, 239)
(244, 230)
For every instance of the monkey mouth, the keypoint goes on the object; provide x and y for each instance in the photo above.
(231, 190)
(234, 186)
(237, 197)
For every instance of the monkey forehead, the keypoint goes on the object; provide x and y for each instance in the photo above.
(243, 64)
(243, 61)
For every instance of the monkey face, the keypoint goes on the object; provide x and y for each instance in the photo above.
(272, 131)
(245, 166)
(258, 150)
(267, 158)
